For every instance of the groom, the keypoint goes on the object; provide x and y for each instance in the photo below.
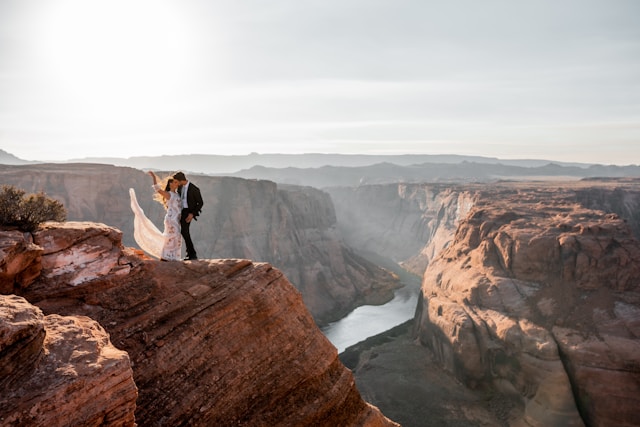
(191, 207)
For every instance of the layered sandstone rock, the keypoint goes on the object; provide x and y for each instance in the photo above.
(19, 260)
(292, 228)
(212, 342)
(60, 371)
(539, 298)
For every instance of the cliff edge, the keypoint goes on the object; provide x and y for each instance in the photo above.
(210, 342)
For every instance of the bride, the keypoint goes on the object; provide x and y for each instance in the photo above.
(165, 245)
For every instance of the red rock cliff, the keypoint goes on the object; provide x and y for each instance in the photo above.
(211, 342)
(539, 298)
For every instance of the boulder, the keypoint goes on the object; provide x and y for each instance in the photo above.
(20, 262)
(61, 370)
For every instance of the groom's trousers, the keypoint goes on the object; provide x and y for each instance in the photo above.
(184, 230)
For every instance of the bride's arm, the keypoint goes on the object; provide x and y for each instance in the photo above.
(157, 187)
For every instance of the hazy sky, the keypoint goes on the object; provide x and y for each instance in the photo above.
(552, 79)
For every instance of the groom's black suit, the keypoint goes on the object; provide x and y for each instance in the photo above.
(194, 203)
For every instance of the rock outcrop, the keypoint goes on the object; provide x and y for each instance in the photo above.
(60, 371)
(211, 342)
(292, 228)
(538, 297)
(20, 261)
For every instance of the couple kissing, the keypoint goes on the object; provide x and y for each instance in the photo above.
(183, 202)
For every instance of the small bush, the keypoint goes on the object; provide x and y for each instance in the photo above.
(27, 211)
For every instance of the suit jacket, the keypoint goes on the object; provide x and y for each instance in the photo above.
(194, 199)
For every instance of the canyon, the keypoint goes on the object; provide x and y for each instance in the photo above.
(529, 310)
(530, 299)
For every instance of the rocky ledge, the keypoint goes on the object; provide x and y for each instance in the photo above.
(208, 342)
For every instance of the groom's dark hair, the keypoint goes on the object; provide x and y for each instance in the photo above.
(179, 176)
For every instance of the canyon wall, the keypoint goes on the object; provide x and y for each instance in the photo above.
(293, 228)
(209, 342)
(530, 289)
(616, 196)
(412, 223)
(538, 298)
(408, 223)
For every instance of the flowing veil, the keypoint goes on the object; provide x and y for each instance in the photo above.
(145, 233)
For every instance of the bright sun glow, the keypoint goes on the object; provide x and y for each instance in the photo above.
(116, 56)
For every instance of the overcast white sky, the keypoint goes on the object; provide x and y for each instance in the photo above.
(551, 79)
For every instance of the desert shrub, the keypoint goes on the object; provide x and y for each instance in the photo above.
(27, 211)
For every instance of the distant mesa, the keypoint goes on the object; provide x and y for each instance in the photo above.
(10, 159)
(225, 164)
(328, 170)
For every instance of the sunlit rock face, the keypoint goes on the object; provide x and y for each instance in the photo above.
(60, 370)
(79, 252)
(539, 298)
(211, 342)
(292, 228)
(20, 262)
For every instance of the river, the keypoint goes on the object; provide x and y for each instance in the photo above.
(369, 320)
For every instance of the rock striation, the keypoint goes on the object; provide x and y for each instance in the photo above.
(292, 228)
(211, 342)
(60, 370)
(538, 297)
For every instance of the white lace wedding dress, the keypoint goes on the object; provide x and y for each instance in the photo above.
(164, 245)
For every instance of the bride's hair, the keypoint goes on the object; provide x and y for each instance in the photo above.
(163, 183)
